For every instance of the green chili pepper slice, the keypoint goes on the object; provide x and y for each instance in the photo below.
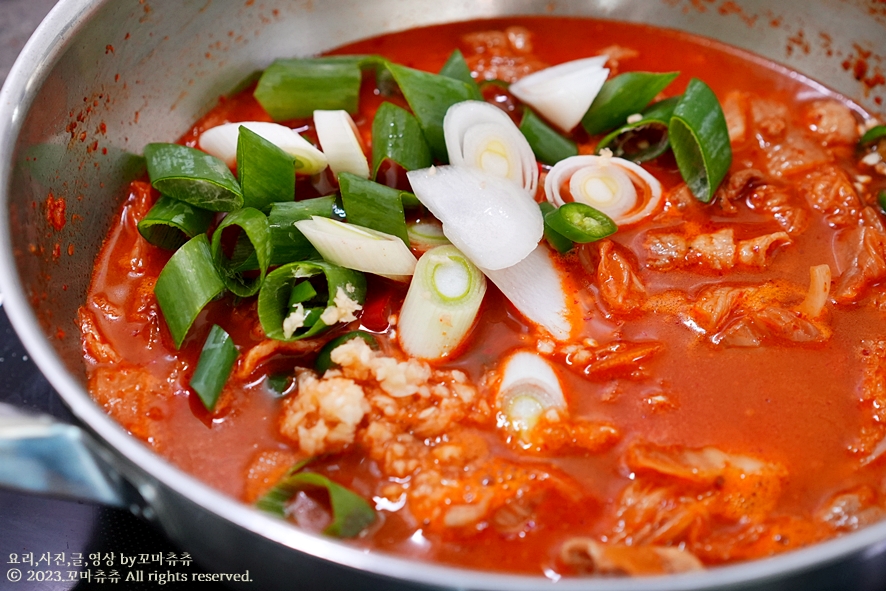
(580, 222)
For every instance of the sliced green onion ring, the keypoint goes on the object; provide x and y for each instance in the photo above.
(430, 96)
(561, 243)
(287, 243)
(295, 88)
(266, 173)
(482, 136)
(633, 142)
(441, 305)
(548, 146)
(397, 136)
(624, 191)
(456, 67)
(623, 96)
(170, 223)
(528, 389)
(373, 205)
(214, 366)
(580, 223)
(193, 176)
(881, 200)
(700, 140)
(340, 293)
(351, 514)
(324, 357)
(253, 241)
(359, 248)
(186, 284)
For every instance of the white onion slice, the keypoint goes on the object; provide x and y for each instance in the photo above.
(563, 93)
(221, 142)
(359, 248)
(341, 143)
(529, 388)
(442, 302)
(491, 220)
(608, 184)
(482, 136)
(535, 288)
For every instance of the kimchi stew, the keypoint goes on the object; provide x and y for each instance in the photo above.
(541, 295)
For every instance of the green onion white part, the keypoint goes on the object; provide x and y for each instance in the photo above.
(425, 235)
(562, 94)
(482, 136)
(341, 143)
(221, 142)
(605, 183)
(441, 305)
(359, 248)
(535, 288)
(528, 390)
(494, 222)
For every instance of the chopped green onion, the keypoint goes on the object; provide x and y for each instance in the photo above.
(430, 96)
(872, 135)
(193, 176)
(372, 205)
(529, 388)
(563, 93)
(324, 357)
(560, 242)
(580, 222)
(279, 384)
(397, 136)
(339, 293)
(214, 366)
(351, 514)
(881, 199)
(456, 67)
(425, 235)
(301, 293)
(623, 96)
(170, 223)
(441, 305)
(186, 284)
(548, 146)
(633, 141)
(359, 248)
(221, 141)
(266, 173)
(341, 142)
(253, 242)
(700, 140)
(287, 243)
(295, 88)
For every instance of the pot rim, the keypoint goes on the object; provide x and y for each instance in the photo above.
(42, 51)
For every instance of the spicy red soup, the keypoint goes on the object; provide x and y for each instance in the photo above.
(717, 393)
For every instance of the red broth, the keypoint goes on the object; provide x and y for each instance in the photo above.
(808, 410)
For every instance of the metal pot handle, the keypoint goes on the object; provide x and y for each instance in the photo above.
(41, 455)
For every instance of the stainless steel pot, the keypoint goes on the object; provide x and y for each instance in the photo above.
(101, 78)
